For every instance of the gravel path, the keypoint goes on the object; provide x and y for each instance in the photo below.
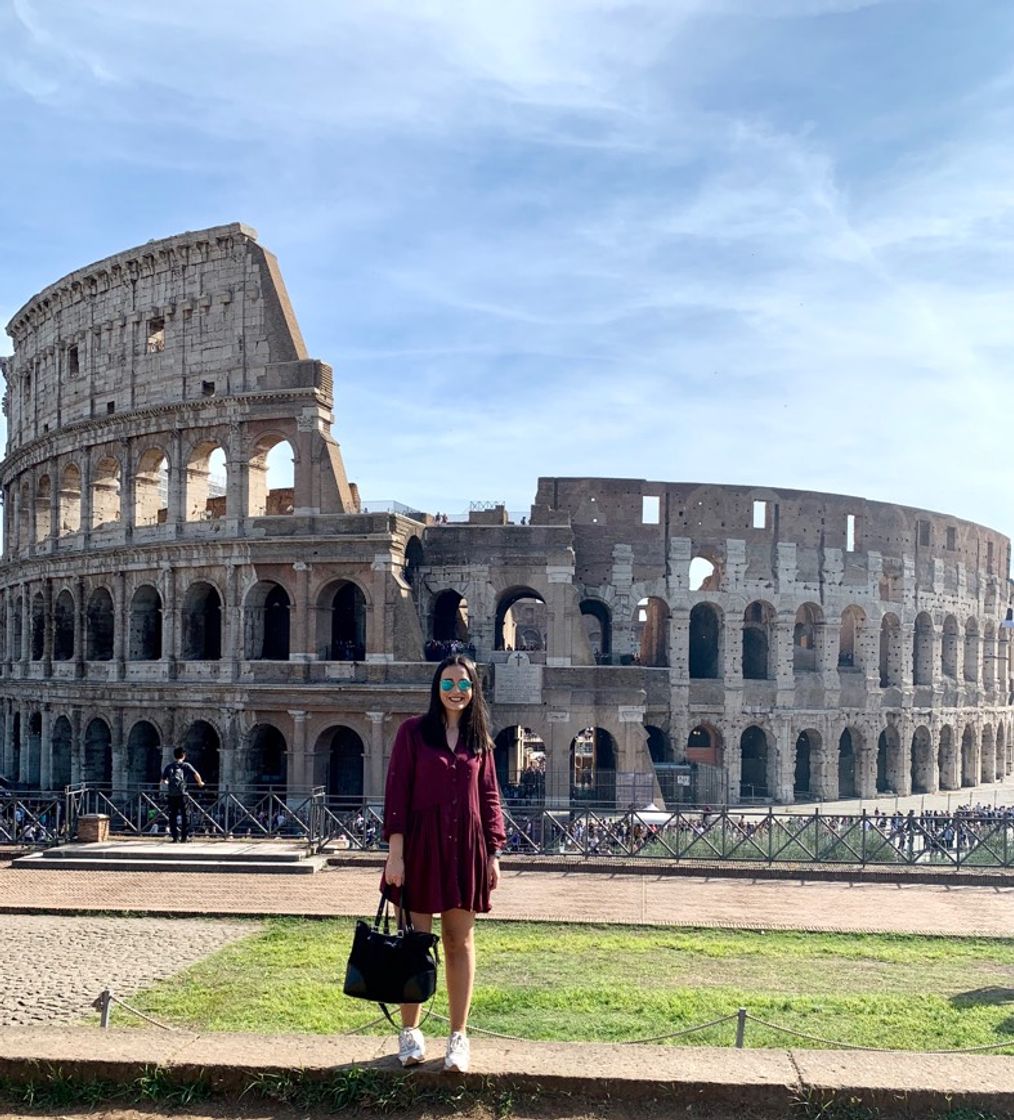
(55, 966)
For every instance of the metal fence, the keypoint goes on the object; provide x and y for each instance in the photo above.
(930, 839)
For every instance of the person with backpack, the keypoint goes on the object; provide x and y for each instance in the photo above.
(175, 777)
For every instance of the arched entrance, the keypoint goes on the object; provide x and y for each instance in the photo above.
(265, 758)
(922, 761)
(593, 767)
(653, 628)
(345, 761)
(705, 630)
(520, 757)
(63, 627)
(144, 755)
(341, 622)
(758, 620)
(97, 768)
(806, 634)
(753, 774)
(145, 624)
(520, 620)
(202, 624)
(266, 622)
(101, 625)
(846, 764)
(807, 746)
(203, 748)
(598, 629)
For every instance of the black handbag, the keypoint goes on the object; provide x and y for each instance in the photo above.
(386, 967)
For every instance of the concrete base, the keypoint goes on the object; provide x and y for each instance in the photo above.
(898, 1083)
(273, 857)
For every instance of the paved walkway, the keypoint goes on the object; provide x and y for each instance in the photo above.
(531, 895)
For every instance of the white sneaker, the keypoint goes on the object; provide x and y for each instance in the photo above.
(458, 1056)
(411, 1046)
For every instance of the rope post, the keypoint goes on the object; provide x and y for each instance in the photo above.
(740, 1027)
(104, 1003)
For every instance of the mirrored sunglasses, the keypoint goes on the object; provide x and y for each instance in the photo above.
(464, 685)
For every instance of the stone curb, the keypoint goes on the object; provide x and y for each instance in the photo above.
(999, 877)
(899, 1083)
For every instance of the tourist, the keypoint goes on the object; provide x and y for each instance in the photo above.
(445, 831)
(175, 778)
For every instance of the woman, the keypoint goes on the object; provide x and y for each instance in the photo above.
(443, 824)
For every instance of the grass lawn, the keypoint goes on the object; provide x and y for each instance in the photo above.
(615, 983)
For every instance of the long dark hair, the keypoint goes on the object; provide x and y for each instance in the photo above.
(474, 727)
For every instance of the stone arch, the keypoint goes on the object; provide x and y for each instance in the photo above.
(706, 571)
(201, 621)
(69, 501)
(853, 619)
(97, 761)
(659, 745)
(266, 622)
(341, 621)
(43, 508)
(969, 767)
(598, 627)
(151, 487)
(520, 757)
(593, 756)
(949, 648)
(61, 739)
(987, 755)
(144, 754)
(344, 754)
(207, 482)
(63, 627)
(705, 642)
(38, 626)
(971, 658)
(449, 617)
(755, 764)
(265, 758)
(891, 672)
(947, 759)
(704, 745)
(653, 625)
(106, 492)
(268, 466)
(806, 763)
(512, 629)
(414, 559)
(922, 649)
(806, 635)
(922, 762)
(758, 631)
(145, 624)
(101, 620)
(888, 760)
(203, 745)
(849, 743)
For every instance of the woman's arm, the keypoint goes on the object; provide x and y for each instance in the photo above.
(489, 805)
(394, 869)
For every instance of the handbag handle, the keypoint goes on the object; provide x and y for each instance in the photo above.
(404, 914)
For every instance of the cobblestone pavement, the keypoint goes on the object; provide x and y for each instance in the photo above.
(573, 896)
(55, 966)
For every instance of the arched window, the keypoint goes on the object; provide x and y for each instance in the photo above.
(63, 627)
(202, 624)
(266, 623)
(849, 643)
(97, 766)
(203, 748)
(808, 744)
(653, 626)
(106, 493)
(598, 628)
(151, 488)
(450, 622)
(145, 624)
(890, 652)
(266, 758)
(705, 631)
(43, 508)
(520, 620)
(341, 622)
(593, 767)
(207, 483)
(345, 755)
(101, 626)
(922, 650)
(758, 620)
(704, 746)
(705, 575)
(413, 561)
(144, 755)
(270, 478)
(806, 638)
(753, 750)
(70, 500)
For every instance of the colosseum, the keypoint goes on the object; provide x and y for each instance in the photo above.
(642, 641)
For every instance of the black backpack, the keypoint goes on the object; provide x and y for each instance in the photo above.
(177, 780)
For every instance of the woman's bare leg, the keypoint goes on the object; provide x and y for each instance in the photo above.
(410, 1012)
(457, 927)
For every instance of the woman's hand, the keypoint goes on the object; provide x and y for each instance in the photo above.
(394, 870)
(494, 872)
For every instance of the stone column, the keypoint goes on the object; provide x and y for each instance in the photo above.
(25, 652)
(118, 749)
(120, 625)
(732, 651)
(301, 640)
(170, 620)
(232, 621)
(46, 750)
(176, 514)
(127, 491)
(48, 627)
(558, 759)
(76, 747)
(781, 766)
(375, 762)
(80, 628)
(296, 772)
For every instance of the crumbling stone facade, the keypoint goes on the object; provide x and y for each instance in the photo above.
(788, 645)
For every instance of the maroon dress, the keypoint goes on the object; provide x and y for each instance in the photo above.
(447, 806)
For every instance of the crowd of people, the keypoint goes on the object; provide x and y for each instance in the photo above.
(436, 650)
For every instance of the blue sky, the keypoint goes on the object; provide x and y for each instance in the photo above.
(750, 241)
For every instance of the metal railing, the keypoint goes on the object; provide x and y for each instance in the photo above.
(932, 839)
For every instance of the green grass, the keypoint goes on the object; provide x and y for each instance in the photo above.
(610, 983)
